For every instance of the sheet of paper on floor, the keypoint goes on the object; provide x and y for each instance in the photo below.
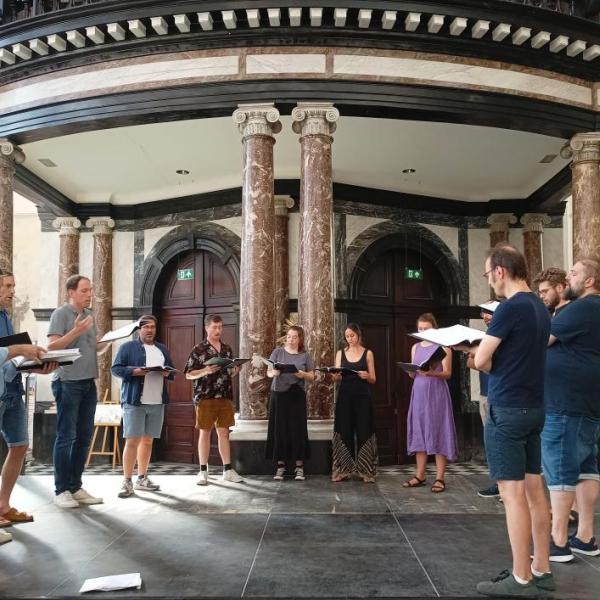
(112, 582)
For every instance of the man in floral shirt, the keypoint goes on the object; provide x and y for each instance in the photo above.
(213, 397)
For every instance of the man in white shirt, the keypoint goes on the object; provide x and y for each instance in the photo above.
(143, 396)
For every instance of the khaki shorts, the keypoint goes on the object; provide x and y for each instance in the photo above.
(215, 411)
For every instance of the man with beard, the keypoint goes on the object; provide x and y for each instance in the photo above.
(143, 397)
(513, 353)
(572, 428)
(551, 285)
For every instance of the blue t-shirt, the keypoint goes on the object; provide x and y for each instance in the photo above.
(572, 382)
(517, 376)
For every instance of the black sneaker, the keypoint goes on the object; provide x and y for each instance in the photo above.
(506, 586)
(545, 582)
(491, 492)
(590, 548)
(560, 554)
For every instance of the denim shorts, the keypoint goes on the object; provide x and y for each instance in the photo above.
(13, 420)
(145, 420)
(512, 442)
(569, 451)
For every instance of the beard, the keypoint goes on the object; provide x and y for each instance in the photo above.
(570, 294)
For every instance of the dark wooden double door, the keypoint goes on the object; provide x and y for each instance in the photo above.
(183, 304)
(388, 305)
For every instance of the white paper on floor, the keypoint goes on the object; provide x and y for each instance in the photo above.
(112, 582)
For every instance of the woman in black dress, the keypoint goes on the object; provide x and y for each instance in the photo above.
(287, 438)
(354, 411)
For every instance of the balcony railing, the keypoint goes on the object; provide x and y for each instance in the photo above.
(15, 10)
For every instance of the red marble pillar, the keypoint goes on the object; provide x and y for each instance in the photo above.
(315, 122)
(10, 156)
(584, 149)
(281, 262)
(257, 123)
(499, 227)
(68, 260)
(102, 293)
(533, 228)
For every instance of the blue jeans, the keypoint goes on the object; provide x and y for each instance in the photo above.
(75, 411)
(569, 451)
(13, 420)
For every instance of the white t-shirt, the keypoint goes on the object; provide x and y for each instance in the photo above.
(153, 382)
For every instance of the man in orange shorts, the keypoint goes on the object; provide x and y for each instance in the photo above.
(213, 397)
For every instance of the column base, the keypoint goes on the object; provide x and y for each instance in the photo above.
(248, 440)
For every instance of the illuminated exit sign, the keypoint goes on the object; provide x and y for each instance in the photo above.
(185, 274)
(413, 273)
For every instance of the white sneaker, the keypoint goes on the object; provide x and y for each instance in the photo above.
(232, 476)
(66, 500)
(84, 497)
(145, 483)
(5, 537)
(202, 478)
(279, 474)
(299, 474)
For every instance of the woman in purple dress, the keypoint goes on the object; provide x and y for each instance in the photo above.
(431, 428)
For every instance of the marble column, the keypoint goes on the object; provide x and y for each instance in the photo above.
(584, 149)
(281, 262)
(499, 227)
(102, 293)
(533, 228)
(10, 156)
(68, 261)
(258, 123)
(316, 122)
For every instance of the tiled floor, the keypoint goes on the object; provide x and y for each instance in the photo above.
(263, 539)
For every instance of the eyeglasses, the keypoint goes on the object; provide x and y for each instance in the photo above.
(485, 275)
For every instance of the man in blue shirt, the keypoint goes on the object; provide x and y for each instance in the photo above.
(572, 428)
(13, 414)
(513, 352)
(143, 397)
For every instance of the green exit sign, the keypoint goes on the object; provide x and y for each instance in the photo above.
(413, 273)
(185, 274)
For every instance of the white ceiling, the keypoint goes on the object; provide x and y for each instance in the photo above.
(128, 165)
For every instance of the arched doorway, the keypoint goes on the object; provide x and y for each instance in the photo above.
(387, 302)
(190, 286)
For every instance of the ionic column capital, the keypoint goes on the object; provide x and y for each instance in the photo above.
(10, 154)
(315, 118)
(282, 205)
(501, 221)
(67, 225)
(100, 225)
(257, 119)
(535, 222)
(582, 147)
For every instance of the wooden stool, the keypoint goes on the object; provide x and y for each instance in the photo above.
(107, 421)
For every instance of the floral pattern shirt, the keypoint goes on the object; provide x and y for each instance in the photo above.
(217, 385)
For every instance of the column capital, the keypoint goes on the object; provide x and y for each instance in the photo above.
(315, 118)
(67, 225)
(535, 221)
(582, 147)
(283, 204)
(100, 224)
(10, 154)
(257, 119)
(501, 221)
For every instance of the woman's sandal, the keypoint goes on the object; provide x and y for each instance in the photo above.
(438, 486)
(338, 478)
(410, 484)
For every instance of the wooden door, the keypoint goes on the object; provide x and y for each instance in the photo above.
(389, 305)
(183, 304)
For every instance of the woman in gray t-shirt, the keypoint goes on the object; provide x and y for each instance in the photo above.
(287, 438)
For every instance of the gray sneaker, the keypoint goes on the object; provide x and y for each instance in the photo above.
(126, 489)
(146, 484)
(279, 474)
(299, 474)
(506, 586)
(545, 582)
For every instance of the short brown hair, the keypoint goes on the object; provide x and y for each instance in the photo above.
(509, 258)
(553, 275)
(73, 281)
(145, 318)
(5, 273)
(208, 319)
(427, 318)
(592, 269)
(300, 333)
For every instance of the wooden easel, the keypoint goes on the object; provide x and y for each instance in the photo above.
(115, 450)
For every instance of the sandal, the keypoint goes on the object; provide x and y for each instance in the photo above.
(338, 478)
(5, 522)
(438, 486)
(15, 516)
(410, 484)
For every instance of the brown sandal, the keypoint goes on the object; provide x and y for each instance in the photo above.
(410, 484)
(438, 486)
